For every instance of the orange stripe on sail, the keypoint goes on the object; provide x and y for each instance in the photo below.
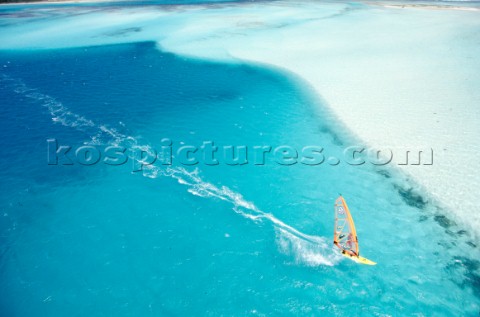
(343, 218)
(352, 225)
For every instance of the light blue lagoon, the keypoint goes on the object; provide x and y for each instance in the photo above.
(203, 240)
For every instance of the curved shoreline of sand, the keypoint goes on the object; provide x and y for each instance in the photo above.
(391, 85)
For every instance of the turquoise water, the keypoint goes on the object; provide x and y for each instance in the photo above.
(203, 240)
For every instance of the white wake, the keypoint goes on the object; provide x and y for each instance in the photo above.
(304, 249)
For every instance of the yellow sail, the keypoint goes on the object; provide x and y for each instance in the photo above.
(345, 235)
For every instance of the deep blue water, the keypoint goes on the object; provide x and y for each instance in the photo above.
(202, 240)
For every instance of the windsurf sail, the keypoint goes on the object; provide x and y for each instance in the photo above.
(345, 236)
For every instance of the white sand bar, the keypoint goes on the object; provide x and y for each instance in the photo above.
(399, 78)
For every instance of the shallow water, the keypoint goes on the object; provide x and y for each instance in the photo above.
(202, 240)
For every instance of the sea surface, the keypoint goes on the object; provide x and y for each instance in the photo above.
(203, 239)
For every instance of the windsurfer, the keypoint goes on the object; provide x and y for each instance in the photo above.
(349, 241)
